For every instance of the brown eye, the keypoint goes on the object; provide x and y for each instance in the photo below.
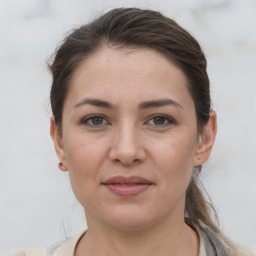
(95, 121)
(160, 120)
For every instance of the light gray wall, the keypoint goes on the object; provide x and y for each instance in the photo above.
(35, 197)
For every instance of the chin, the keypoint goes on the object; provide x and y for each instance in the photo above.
(130, 224)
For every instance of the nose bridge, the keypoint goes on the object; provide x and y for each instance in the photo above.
(126, 136)
(127, 147)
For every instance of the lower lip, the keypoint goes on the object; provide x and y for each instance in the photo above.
(128, 190)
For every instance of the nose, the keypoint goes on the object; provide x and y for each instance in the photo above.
(127, 147)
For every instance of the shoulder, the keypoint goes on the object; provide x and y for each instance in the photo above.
(224, 246)
(66, 248)
(239, 249)
(19, 254)
(34, 251)
(236, 249)
(233, 248)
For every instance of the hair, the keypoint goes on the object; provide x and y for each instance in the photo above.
(137, 28)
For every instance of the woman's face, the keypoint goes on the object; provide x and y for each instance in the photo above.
(129, 138)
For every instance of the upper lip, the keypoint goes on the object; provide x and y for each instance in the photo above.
(126, 180)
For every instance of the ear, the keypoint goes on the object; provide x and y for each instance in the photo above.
(57, 140)
(206, 140)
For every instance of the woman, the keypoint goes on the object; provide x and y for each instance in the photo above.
(132, 123)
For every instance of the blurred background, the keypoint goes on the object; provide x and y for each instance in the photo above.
(37, 206)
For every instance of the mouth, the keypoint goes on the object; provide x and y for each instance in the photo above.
(127, 186)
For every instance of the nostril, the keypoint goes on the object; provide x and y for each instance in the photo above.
(127, 161)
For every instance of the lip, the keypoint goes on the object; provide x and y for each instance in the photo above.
(127, 186)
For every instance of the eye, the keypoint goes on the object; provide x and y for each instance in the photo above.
(95, 120)
(160, 120)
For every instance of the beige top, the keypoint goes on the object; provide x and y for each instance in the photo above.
(68, 248)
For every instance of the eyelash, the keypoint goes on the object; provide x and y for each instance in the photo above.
(94, 116)
(89, 120)
(167, 119)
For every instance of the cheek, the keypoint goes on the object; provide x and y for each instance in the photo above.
(176, 150)
(83, 150)
(84, 158)
(174, 157)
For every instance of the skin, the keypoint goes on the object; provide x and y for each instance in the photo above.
(160, 143)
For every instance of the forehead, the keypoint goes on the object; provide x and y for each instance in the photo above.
(117, 73)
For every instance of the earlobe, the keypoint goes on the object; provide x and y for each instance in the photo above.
(206, 140)
(58, 145)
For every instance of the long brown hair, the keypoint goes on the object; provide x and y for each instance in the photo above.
(132, 27)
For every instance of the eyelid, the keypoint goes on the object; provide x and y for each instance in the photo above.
(85, 120)
(170, 120)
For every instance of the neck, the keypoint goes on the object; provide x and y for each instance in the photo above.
(175, 239)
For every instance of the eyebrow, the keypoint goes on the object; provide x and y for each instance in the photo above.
(94, 102)
(144, 105)
(159, 103)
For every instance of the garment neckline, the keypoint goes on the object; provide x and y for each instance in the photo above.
(68, 247)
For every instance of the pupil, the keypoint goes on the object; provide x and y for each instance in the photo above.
(97, 120)
(159, 120)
